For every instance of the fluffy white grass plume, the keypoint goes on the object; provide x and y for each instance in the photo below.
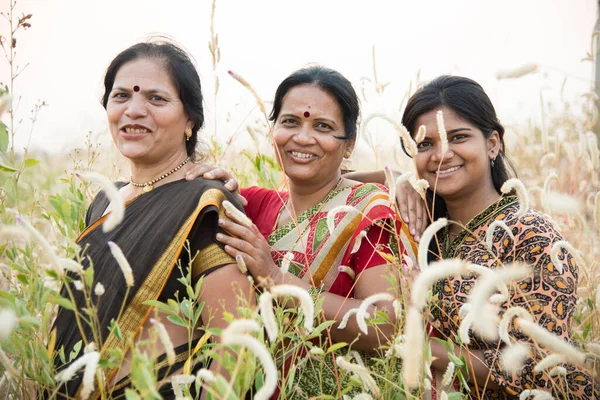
(347, 270)
(546, 339)
(439, 117)
(347, 316)
(549, 361)
(465, 325)
(426, 238)
(485, 271)
(117, 205)
(71, 265)
(558, 371)
(561, 203)
(507, 318)
(420, 186)
(409, 143)
(47, 250)
(358, 241)
(518, 186)
(518, 72)
(8, 365)
(513, 357)
(14, 232)
(165, 339)
(405, 177)
(413, 349)
(592, 142)
(237, 214)
(426, 278)
(443, 395)
(205, 375)
(593, 348)
(489, 235)
(421, 133)
(90, 362)
(360, 370)
(123, 263)
(535, 395)
(265, 304)
(241, 264)
(498, 298)
(331, 215)
(448, 375)
(247, 85)
(362, 309)
(234, 334)
(485, 322)
(390, 183)
(177, 381)
(366, 377)
(397, 305)
(363, 396)
(78, 285)
(563, 244)
(8, 321)
(306, 302)
(285, 263)
(547, 158)
(317, 351)
(597, 209)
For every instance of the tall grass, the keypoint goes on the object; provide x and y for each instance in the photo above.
(558, 161)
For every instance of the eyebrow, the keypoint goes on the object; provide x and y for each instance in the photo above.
(318, 119)
(146, 91)
(458, 130)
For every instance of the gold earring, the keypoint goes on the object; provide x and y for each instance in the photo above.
(188, 133)
(348, 154)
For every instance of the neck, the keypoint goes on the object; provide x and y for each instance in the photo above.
(142, 172)
(464, 208)
(303, 196)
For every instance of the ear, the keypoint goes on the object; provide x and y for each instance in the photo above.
(350, 144)
(190, 124)
(494, 145)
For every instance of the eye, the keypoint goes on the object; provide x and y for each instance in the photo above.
(155, 97)
(119, 95)
(423, 145)
(289, 122)
(322, 126)
(458, 137)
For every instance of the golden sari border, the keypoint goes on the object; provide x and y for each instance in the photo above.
(136, 313)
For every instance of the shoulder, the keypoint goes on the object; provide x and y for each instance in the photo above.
(532, 228)
(253, 192)
(211, 191)
(367, 190)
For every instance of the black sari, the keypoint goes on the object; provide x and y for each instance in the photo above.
(152, 237)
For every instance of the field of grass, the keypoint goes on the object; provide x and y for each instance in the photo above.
(43, 203)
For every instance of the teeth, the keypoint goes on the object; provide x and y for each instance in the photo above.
(136, 130)
(447, 171)
(301, 155)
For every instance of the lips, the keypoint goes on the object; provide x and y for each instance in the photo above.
(301, 155)
(444, 171)
(134, 131)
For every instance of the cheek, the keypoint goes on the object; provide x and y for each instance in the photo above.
(421, 165)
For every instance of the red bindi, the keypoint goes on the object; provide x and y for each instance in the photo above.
(136, 88)
(306, 114)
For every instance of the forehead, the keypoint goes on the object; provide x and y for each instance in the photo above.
(312, 98)
(451, 120)
(147, 73)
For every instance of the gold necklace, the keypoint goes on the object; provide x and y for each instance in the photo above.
(148, 186)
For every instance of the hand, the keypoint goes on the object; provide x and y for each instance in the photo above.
(208, 171)
(250, 244)
(412, 209)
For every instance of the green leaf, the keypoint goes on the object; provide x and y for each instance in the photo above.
(131, 394)
(89, 276)
(29, 322)
(160, 305)
(177, 320)
(174, 306)
(457, 361)
(6, 168)
(76, 350)
(335, 347)
(115, 329)
(3, 137)
(186, 308)
(30, 162)
(64, 303)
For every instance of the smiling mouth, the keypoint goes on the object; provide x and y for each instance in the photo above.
(135, 130)
(447, 171)
(304, 156)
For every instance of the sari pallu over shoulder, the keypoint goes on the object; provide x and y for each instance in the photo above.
(152, 237)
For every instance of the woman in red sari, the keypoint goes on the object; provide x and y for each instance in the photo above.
(314, 128)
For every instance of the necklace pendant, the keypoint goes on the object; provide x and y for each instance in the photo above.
(147, 188)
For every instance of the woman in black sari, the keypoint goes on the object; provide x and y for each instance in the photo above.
(154, 106)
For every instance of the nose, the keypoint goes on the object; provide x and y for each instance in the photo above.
(136, 107)
(438, 154)
(304, 135)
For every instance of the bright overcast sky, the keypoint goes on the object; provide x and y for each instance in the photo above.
(71, 43)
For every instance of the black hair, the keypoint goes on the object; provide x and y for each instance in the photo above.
(183, 73)
(332, 82)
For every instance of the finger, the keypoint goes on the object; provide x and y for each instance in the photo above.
(401, 199)
(239, 245)
(421, 213)
(237, 230)
(412, 216)
(231, 185)
(424, 221)
(241, 199)
(197, 171)
(219, 173)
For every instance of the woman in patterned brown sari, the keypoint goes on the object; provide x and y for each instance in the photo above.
(467, 178)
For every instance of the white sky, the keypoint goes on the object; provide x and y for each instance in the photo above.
(71, 43)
